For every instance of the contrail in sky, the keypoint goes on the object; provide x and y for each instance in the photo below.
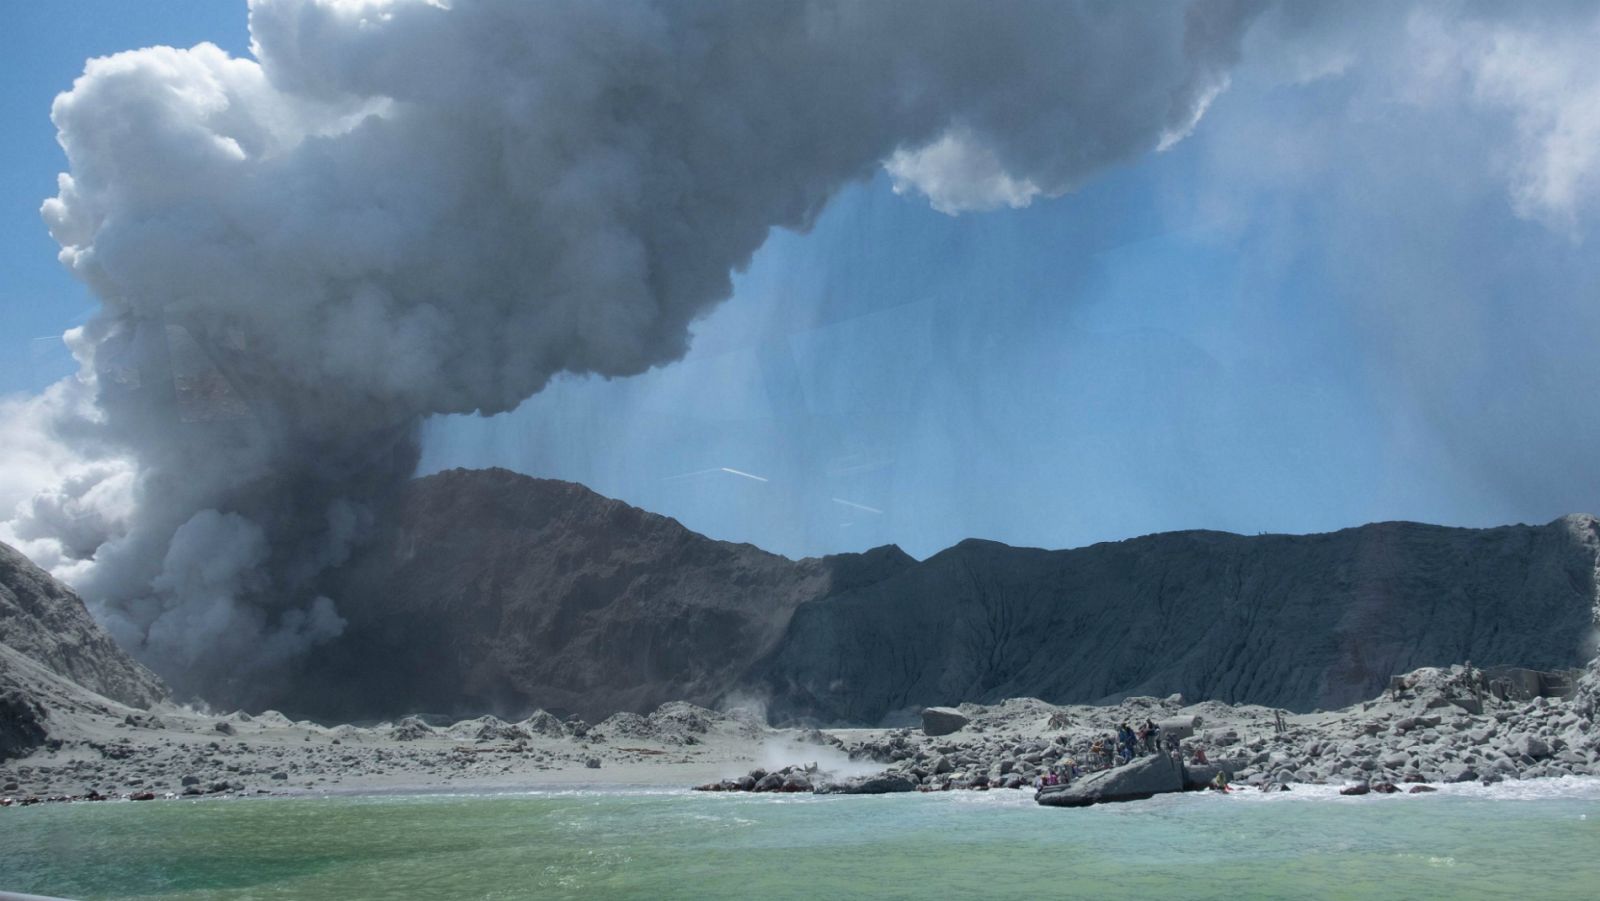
(855, 506)
(702, 472)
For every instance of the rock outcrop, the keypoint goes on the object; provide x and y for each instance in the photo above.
(21, 723)
(1145, 777)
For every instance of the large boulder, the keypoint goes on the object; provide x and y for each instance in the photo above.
(21, 724)
(1179, 727)
(942, 720)
(1143, 778)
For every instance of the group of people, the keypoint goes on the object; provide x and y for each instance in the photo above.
(1129, 743)
(1061, 774)
(1111, 750)
(1107, 751)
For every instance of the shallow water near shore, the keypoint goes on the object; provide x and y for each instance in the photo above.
(1537, 839)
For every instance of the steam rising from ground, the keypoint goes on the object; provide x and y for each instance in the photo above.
(825, 759)
(402, 208)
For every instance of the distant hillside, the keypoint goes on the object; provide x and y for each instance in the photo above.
(1291, 621)
(499, 592)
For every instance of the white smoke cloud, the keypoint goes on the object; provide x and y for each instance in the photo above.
(1542, 73)
(401, 208)
(65, 489)
(958, 175)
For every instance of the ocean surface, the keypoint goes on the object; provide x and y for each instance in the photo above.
(1527, 840)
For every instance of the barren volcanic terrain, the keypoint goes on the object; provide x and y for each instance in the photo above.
(496, 592)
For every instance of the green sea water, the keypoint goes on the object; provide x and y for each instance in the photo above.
(1531, 840)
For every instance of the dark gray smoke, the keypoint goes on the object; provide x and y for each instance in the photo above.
(402, 208)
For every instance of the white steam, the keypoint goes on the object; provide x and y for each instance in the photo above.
(402, 208)
(825, 759)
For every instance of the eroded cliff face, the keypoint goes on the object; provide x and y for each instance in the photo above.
(1290, 621)
(45, 622)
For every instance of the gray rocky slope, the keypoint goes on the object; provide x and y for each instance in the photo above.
(54, 657)
(499, 592)
(43, 620)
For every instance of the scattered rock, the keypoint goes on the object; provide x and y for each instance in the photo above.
(1532, 746)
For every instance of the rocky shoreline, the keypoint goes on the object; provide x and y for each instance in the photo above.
(1435, 726)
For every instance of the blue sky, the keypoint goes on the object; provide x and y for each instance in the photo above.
(43, 47)
(1326, 307)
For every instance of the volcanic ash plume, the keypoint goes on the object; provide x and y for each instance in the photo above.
(402, 208)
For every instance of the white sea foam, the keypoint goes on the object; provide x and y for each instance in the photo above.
(1563, 788)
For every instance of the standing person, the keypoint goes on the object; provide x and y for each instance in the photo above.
(1152, 731)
